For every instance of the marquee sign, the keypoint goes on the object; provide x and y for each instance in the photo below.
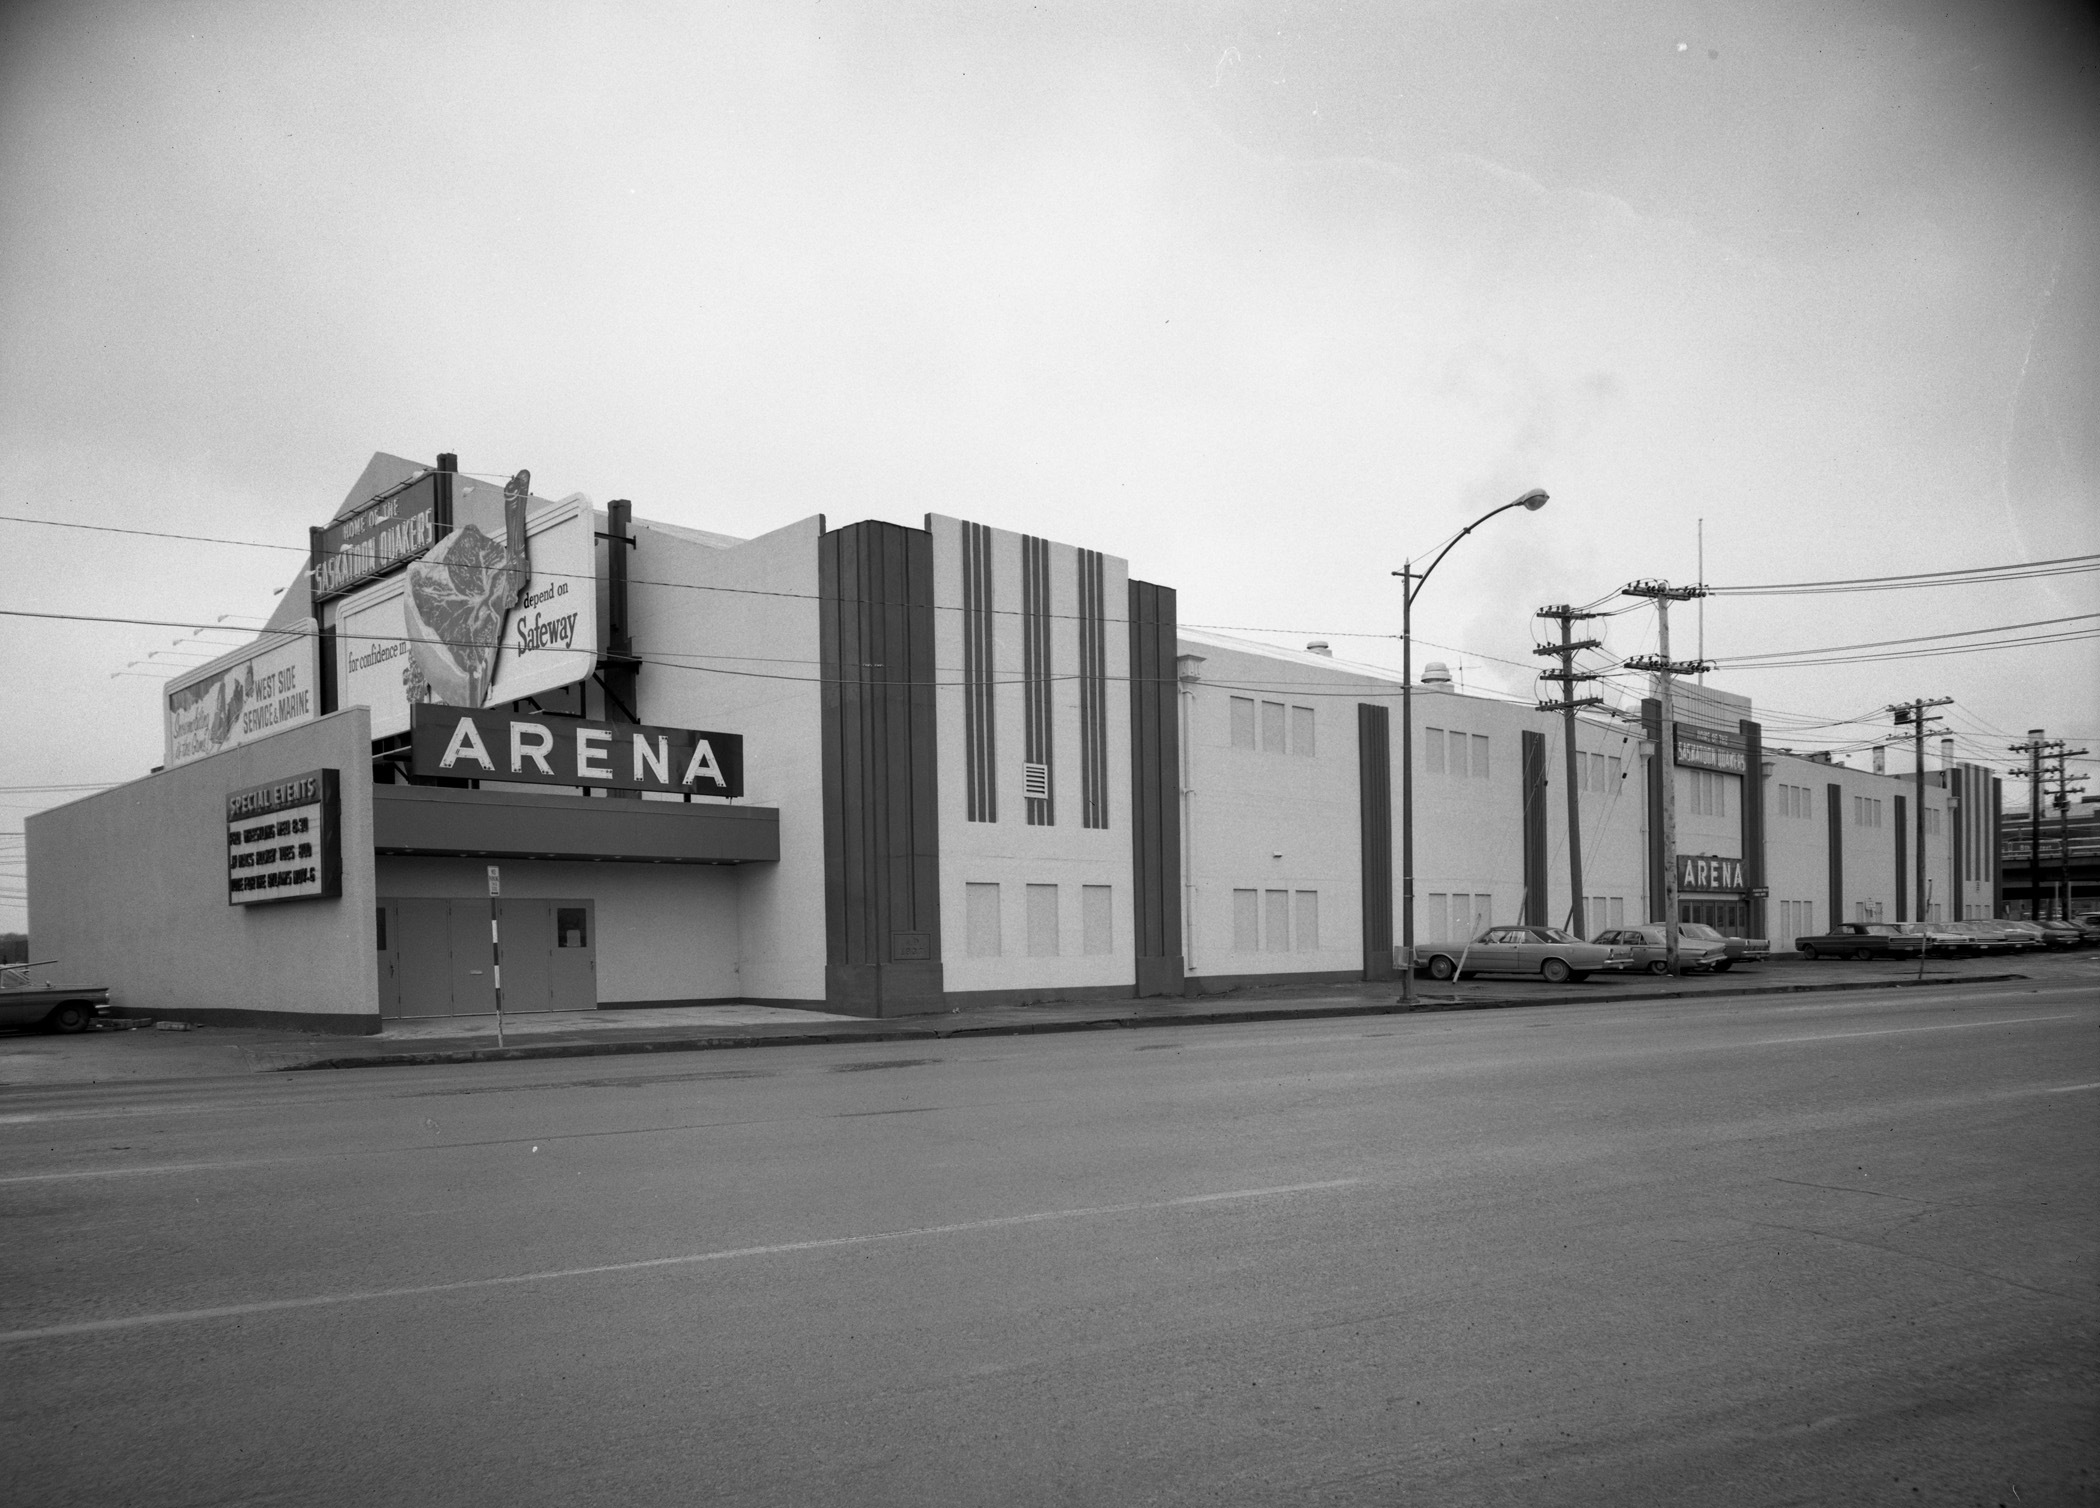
(458, 743)
(283, 840)
(1709, 872)
(1711, 749)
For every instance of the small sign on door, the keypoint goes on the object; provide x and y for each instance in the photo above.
(495, 880)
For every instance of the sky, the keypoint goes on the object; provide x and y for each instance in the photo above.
(1266, 298)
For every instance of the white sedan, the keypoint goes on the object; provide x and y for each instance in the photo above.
(1548, 952)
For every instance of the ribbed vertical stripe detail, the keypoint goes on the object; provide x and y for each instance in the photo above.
(1093, 694)
(980, 761)
(1036, 674)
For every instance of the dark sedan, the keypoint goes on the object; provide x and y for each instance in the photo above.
(1861, 940)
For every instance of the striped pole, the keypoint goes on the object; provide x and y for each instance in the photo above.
(496, 944)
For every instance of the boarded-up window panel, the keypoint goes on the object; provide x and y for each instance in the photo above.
(1618, 911)
(1431, 924)
(1246, 921)
(1276, 921)
(1042, 921)
(1097, 915)
(1480, 757)
(1433, 750)
(1305, 921)
(1243, 722)
(1272, 727)
(1302, 731)
(981, 902)
(1458, 755)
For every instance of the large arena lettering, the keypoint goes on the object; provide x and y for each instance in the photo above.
(463, 743)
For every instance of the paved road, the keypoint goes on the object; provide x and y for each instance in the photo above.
(1800, 1249)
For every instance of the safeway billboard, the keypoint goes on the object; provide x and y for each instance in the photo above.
(460, 743)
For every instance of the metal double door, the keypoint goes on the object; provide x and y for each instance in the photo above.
(437, 957)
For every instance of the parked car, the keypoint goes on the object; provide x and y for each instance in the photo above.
(1940, 938)
(28, 1001)
(1648, 947)
(2024, 934)
(1988, 937)
(1740, 949)
(2061, 934)
(1861, 940)
(1548, 952)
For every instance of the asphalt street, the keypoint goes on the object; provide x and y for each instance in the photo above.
(1801, 1249)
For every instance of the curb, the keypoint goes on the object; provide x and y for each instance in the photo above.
(935, 1033)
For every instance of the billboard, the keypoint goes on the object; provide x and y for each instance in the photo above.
(459, 743)
(385, 533)
(239, 697)
(487, 616)
(283, 840)
(1710, 749)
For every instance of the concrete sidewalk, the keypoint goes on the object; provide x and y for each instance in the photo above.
(147, 1055)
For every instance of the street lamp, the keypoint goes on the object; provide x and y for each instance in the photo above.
(1411, 583)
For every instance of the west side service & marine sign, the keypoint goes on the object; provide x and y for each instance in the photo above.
(283, 840)
(258, 689)
(459, 743)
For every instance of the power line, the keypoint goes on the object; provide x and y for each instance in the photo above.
(2015, 571)
(1962, 633)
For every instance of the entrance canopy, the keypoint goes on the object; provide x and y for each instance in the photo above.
(444, 821)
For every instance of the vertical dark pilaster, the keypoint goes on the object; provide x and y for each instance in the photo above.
(1997, 846)
(1902, 861)
(1155, 790)
(1834, 805)
(1754, 828)
(1658, 771)
(1093, 693)
(1374, 803)
(1535, 910)
(882, 913)
(1957, 840)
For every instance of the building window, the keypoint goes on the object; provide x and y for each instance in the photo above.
(1796, 918)
(1709, 793)
(1097, 919)
(1480, 757)
(981, 907)
(1457, 917)
(1243, 722)
(1246, 921)
(1615, 770)
(1932, 826)
(1306, 921)
(1302, 731)
(1866, 811)
(1042, 921)
(569, 928)
(1432, 751)
(1276, 921)
(1272, 727)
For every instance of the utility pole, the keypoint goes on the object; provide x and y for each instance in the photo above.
(2062, 802)
(1568, 677)
(1663, 668)
(1913, 712)
(2037, 744)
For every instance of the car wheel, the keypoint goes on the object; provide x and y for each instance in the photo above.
(1441, 967)
(1556, 971)
(70, 1017)
(1808, 953)
(1658, 966)
(1861, 955)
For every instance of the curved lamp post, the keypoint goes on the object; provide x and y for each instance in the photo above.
(1411, 581)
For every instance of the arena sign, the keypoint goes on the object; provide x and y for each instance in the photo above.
(458, 743)
(283, 840)
(1709, 872)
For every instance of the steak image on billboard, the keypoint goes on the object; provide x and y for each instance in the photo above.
(475, 623)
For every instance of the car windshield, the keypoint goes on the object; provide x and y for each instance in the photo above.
(1551, 934)
(1699, 930)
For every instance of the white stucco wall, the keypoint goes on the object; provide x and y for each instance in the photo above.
(1010, 853)
(746, 661)
(128, 888)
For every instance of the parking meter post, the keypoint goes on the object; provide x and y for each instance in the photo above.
(496, 944)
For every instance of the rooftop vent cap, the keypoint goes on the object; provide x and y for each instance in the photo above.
(1319, 647)
(1436, 673)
